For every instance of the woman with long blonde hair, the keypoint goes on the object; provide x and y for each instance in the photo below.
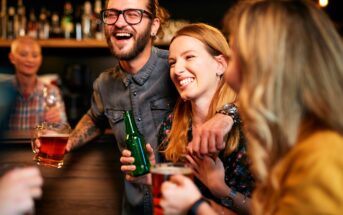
(290, 97)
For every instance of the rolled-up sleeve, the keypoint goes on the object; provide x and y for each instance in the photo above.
(96, 111)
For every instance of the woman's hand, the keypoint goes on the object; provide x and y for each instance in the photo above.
(127, 166)
(210, 171)
(178, 195)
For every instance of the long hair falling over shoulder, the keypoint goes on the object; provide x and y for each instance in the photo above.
(177, 139)
(292, 72)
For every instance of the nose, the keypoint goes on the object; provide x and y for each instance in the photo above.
(120, 21)
(33, 57)
(179, 67)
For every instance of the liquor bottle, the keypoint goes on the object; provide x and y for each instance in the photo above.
(136, 144)
(78, 21)
(98, 27)
(67, 20)
(10, 23)
(32, 25)
(55, 31)
(3, 19)
(87, 20)
(43, 25)
(20, 24)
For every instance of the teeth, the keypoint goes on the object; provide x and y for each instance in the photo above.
(186, 81)
(122, 34)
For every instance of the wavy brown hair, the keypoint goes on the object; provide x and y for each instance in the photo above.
(292, 75)
(177, 139)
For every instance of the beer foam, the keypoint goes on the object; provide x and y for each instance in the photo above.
(171, 170)
(54, 134)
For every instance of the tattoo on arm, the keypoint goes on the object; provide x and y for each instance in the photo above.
(84, 131)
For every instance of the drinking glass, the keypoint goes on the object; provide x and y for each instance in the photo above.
(50, 97)
(49, 142)
(162, 172)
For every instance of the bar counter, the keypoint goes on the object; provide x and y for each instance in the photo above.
(90, 182)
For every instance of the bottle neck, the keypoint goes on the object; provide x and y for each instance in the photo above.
(130, 123)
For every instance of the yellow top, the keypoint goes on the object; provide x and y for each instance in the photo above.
(311, 177)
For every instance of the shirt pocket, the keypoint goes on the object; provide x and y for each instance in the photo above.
(160, 108)
(114, 116)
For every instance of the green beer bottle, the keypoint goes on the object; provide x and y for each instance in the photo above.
(136, 144)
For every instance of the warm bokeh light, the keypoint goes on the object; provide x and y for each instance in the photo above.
(323, 3)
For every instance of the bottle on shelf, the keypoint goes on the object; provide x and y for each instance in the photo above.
(55, 30)
(3, 19)
(136, 144)
(78, 20)
(32, 25)
(97, 24)
(10, 23)
(20, 21)
(87, 20)
(43, 25)
(67, 20)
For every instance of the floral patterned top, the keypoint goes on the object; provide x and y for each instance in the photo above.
(237, 174)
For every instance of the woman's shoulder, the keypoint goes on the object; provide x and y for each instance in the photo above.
(317, 154)
(313, 166)
(322, 142)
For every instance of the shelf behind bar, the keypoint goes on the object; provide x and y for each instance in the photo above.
(68, 43)
(63, 43)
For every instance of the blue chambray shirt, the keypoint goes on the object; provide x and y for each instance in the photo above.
(151, 95)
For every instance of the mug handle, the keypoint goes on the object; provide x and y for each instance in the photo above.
(35, 144)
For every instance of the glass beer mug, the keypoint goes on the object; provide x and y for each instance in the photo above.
(49, 142)
(160, 173)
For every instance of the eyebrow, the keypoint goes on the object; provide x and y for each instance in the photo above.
(184, 53)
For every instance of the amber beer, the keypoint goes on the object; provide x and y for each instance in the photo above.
(52, 149)
(49, 142)
(161, 173)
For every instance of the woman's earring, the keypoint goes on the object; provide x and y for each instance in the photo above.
(153, 34)
(220, 75)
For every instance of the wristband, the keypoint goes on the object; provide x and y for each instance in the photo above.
(228, 201)
(195, 206)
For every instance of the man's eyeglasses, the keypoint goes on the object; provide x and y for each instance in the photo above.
(131, 16)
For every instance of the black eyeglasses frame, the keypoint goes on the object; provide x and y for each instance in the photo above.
(141, 11)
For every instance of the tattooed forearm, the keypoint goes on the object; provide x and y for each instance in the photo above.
(84, 131)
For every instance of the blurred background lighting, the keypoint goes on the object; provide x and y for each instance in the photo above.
(323, 3)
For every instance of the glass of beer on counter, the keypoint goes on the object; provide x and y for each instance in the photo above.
(162, 172)
(49, 142)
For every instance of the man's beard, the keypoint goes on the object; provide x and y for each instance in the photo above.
(137, 48)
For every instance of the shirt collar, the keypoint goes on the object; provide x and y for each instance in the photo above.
(39, 86)
(143, 74)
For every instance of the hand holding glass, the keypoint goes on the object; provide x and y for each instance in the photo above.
(162, 172)
(49, 142)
